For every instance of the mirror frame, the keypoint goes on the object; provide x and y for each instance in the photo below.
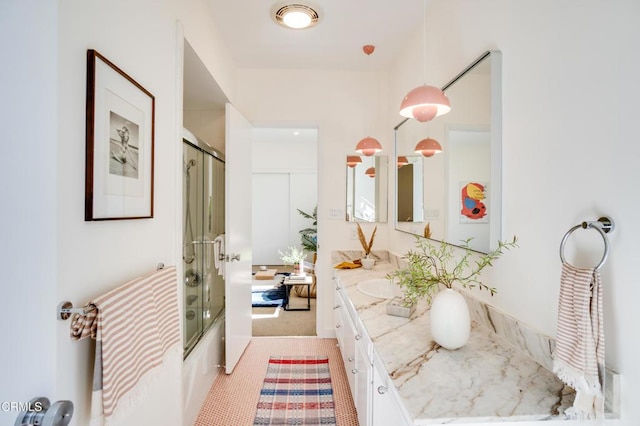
(495, 182)
(381, 188)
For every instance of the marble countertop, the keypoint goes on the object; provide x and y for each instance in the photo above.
(486, 380)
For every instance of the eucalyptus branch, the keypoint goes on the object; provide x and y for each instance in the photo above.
(431, 265)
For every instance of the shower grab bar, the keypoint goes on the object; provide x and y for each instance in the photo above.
(66, 309)
(603, 225)
(193, 243)
(196, 242)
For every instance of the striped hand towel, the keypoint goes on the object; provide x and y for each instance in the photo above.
(579, 354)
(134, 325)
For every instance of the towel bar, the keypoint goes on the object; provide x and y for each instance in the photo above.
(603, 225)
(66, 309)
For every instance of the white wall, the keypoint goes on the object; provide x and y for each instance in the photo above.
(28, 80)
(208, 125)
(285, 179)
(93, 257)
(570, 90)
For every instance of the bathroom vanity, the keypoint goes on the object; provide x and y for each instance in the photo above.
(398, 375)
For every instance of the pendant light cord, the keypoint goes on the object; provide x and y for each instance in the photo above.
(424, 42)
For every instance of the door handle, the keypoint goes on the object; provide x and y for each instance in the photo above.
(41, 412)
(233, 256)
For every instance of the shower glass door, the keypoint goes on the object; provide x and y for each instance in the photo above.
(203, 221)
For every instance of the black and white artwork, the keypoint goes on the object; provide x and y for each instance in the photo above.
(124, 145)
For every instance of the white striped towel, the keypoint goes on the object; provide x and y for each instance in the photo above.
(218, 251)
(579, 354)
(134, 325)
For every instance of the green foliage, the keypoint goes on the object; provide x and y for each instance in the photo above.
(432, 264)
(292, 256)
(309, 236)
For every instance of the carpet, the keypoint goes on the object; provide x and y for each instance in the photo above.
(296, 391)
(267, 297)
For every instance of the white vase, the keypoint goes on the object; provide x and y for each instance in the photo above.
(450, 320)
(368, 262)
(299, 268)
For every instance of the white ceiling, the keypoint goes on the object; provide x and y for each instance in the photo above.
(335, 42)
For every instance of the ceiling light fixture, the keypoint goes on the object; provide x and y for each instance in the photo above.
(368, 146)
(402, 161)
(371, 172)
(295, 15)
(428, 147)
(353, 160)
(424, 102)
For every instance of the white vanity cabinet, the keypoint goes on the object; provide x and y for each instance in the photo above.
(387, 408)
(355, 349)
(363, 381)
(346, 333)
(374, 395)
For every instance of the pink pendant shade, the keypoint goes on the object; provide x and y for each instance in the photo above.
(353, 160)
(402, 161)
(424, 103)
(368, 146)
(428, 147)
(371, 172)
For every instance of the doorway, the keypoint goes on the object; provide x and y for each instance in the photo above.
(284, 182)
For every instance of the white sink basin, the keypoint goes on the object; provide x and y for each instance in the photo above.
(382, 288)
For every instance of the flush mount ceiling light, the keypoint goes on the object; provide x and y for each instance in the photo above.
(424, 102)
(428, 147)
(296, 15)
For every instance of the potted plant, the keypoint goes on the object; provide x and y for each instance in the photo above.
(309, 236)
(367, 261)
(294, 256)
(435, 265)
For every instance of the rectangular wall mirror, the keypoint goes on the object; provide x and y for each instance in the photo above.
(456, 195)
(367, 180)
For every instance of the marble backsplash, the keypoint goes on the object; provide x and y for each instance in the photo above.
(536, 345)
(532, 343)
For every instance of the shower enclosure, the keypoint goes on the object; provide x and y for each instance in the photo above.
(203, 238)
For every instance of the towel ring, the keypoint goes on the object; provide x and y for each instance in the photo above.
(603, 225)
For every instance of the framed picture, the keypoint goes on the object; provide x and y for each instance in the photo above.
(119, 144)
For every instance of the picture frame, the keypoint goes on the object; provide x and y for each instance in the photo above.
(120, 125)
(473, 202)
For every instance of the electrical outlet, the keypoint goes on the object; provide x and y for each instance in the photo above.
(432, 213)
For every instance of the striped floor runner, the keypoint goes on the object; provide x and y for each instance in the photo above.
(296, 391)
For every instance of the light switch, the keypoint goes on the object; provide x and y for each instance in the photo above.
(336, 214)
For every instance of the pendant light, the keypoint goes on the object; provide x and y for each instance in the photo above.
(425, 102)
(371, 172)
(353, 160)
(428, 147)
(402, 161)
(368, 146)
